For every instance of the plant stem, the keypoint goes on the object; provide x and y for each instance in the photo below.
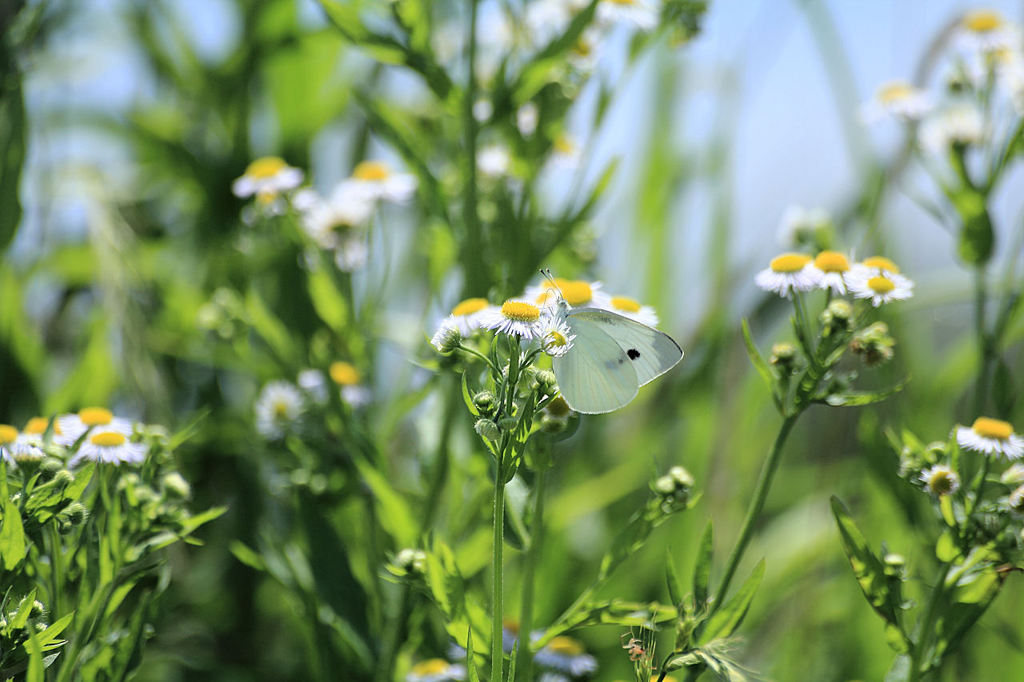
(472, 262)
(524, 660)
(985, 346)
(920, 647)
(764, 483)
(497, 654)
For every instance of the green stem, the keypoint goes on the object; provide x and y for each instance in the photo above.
(472, 262)
(985, 347)
(923, 634)
(496, 575)
(524, 661)
(764, 483)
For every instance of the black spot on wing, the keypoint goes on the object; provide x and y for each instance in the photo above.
(633, 353)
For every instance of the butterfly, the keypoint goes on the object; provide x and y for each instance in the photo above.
(611, 358)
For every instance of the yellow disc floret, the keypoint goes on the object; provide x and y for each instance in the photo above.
(577, 293)
(8, 434)
(520, 311)
(344, 374)
(95, 416)
(566, 646)
(983, 21)
(831, 261)
(266, 167)
(625, 303)
(37, 426)
(108, 439)
(881, 285)
(894, 92)
(433, 666)
(790, 262)
(986, 427)
(373, 171)
(882, 263)
(469, 306)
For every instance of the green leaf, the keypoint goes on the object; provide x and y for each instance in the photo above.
(35, 658)
(12, 144)
(247, 555)
(762, 367)
(49, 635)
(467, 397)
(269, 327)
(946, 549)
(395, 515)
(702, 567)
(728, 618)
(675, 588)
(12, 536)
(24, 610)
(471, 670)
(327, 300)
(867, 568)
(858, 398)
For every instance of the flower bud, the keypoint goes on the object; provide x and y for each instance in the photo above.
(783, 356)
(682, 477)
(487, 429)
(176, 486)
(63, 478)
(664, 485)
(559, 408)
(873, 344)
(447, 340)
(49, 468)
(836, 317)
(484, 401)
(76, 513)
(546, 379)
(411, 561)
(507, 423)
(549, 424)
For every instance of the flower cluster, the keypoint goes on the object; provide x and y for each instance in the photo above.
(338, 222)
(93, 434)
(282, 405)
(875, 279)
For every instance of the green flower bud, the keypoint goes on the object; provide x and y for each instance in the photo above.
(484, 401)
(836, 317)
(176, 486)
(76, 513)
(1014, 475)
(549, 424)
(411, 561)
(37, 609)
(664, 485)
(487, 429)
(546, 379)
(63, 478)
(783, 356)
(447, 340)
(49, 468)
(145, 494)
(873, 344)
(507, 423)
(682, 477)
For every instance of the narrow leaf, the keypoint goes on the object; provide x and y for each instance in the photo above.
(727, 619)
(702, 568)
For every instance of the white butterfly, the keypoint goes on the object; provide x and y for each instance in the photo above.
(611, 358)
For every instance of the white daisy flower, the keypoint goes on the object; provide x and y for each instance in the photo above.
(991, 436)
(465, 317)
(14, 448)
(833, 266)
(35, 429)
(565, 152)
(880, 287)
(314, 383)
(353, 393)
(566, 655)
(546, 20)
(985, 31)
(788, 273)
(577, 293)
(798, 225)
(897, 99)
(72, 426)
(267, 177)
(380, 182)
(941, 480)
(111, 447)
(339, 218)
(960, 123)
(640, 14)
(278, 408)
(557, 338)
(515, 318)
(436, 670)
(633, 309)
(493, 161)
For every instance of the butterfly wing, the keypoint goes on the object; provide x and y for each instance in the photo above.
(596, 375)
(651, 352)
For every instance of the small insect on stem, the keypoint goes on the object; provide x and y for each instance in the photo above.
(635, 647)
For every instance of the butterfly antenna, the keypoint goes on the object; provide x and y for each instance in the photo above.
(546, 272)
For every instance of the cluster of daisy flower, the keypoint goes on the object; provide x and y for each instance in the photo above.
(282, 405)
(876, 279)
(535, 315)
(337, 222)
(93, 434)
(987, 66)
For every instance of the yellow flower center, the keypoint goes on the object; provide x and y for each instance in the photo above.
(790, 262)
(469, 306)
(266, 167)
(8, 434)
(433, 666)
(625, 303)
(374, 171)
(556, 338)
(881, 285)
(108, 439)
(344, 374)
(622, 2)
(986, 427)
(564, 145)
(941, 482)
(577, 293)
(566, 646)
(882, 263)
(983, 21)
(559, 408)
(37, 426)
(894, 92)
(265, 198)
(520, 311)
(831, 261)
(95, 416)
(281, 409)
